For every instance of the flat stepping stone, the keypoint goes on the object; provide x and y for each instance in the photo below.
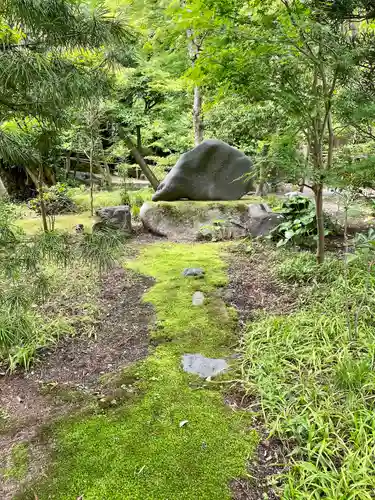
(202, 366)
(198, 299)
(198, 272)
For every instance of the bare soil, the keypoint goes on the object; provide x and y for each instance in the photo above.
(71, 371)
(254, 288)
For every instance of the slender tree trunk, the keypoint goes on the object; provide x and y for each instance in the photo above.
(318, 192)
(260, 186)
(91, 179)
(107, 176)
(76, 165)
(32, 176)
(141, 162)
(67, 164)
(197, 116)
(307, 156)
(41, 199)
(139, 138)
(49, 176)
(3, 191)
(194, 48)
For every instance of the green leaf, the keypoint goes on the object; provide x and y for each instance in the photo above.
(289, 234)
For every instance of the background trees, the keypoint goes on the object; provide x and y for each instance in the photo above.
(302, 60)
(40, 73)
(288, 81)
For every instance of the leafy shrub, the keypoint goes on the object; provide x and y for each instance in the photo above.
(125, 196)
(219, 230)
(56, 201)
(299, 226)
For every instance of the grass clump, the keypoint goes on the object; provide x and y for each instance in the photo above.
(302, 268)
(19, 462)
(36, 278)
(314, 373)
(138, 450)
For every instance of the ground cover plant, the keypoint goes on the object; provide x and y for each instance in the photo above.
(313, 373)
(34, 268)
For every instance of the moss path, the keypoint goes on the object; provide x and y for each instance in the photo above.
(138, 450)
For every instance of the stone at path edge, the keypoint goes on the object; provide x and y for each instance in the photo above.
(197, 272)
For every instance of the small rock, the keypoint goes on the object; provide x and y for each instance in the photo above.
(183, 423)
(202, 366)
(198, 299)
(193, 271)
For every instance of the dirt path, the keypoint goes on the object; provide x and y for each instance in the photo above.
(253, 289)
(69, 373)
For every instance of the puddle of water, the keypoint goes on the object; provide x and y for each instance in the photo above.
(202, 366)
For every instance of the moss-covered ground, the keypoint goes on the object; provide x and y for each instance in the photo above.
(138, 450)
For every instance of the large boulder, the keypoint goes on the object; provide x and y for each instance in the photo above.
(118, 217)
(211, 171)
(190, 221)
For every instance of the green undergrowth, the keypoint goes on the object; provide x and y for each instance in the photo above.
(140, 449)
(65, 222)
(106, 198)
(314, 373)
(19, 461)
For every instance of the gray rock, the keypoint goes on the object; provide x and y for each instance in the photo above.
(198, 299)
(188, 221)
(198, 272)
(262, 220)
(118, 217)
(294, 194)
(211, 171)
(202, 366)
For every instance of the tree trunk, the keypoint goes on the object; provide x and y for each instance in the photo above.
(91, 179)
(318, 192)
(49, 176)
(197, 116)
(32, 176)
(76, 165)
(3, 191)
(41, 200)
(141, 162)
(139, 138)
(67, 163)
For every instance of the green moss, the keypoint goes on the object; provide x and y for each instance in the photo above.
(138, 450)
(19, 462)
(186, 208)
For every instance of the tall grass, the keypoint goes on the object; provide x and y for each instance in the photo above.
(29, 267)
(313, 372)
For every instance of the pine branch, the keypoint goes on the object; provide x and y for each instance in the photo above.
(63, 23)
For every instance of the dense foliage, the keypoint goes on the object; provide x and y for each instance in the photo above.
(299, 226)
